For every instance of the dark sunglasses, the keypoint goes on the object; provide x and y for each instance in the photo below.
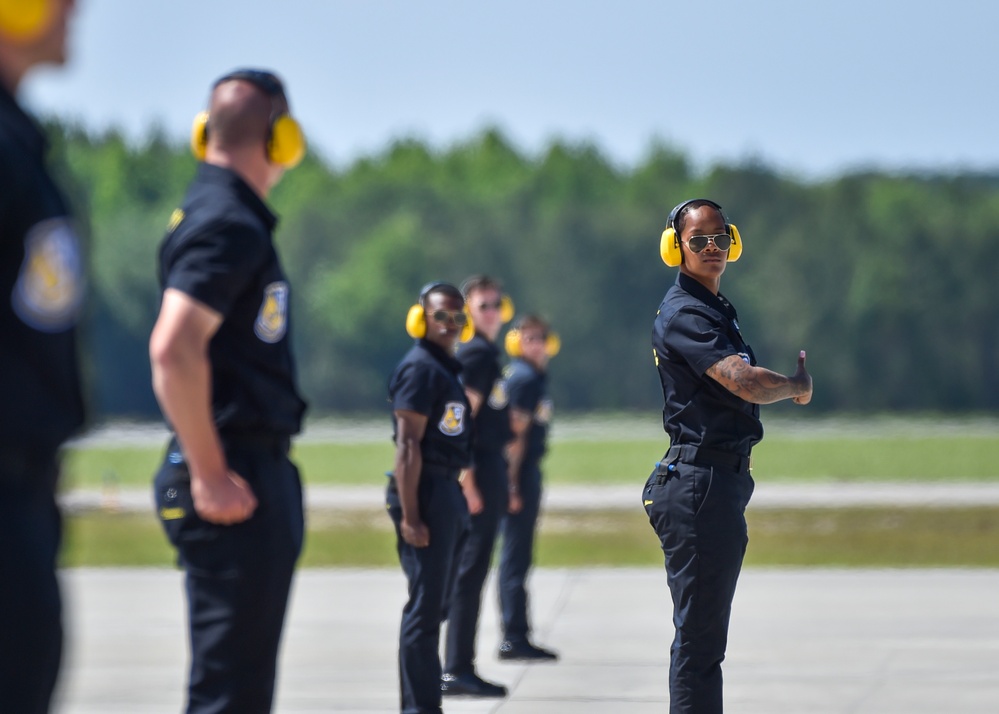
(457, 317)
(491, 305)
(722, 241)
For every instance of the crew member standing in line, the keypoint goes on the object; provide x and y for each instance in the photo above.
(41, 291)
(696, 497)
(229, 498)
(531, 343)
(432, 432)
(484, 484)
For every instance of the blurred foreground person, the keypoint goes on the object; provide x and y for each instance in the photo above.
(227, 495)
(41, 291)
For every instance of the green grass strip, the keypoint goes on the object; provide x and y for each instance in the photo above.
(850, 537)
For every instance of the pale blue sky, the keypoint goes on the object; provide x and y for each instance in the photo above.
(810, 88)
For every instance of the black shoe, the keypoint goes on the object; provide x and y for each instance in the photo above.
(525, 651)
(469, 685)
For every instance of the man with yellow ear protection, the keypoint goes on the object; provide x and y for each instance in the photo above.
(531, 343)
(41, 295)
(697, 495)
(432, 431)
(227, 495)
(484, 483)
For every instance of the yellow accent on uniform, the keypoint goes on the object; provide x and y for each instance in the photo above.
(172, 514)
(648, 503)
(175, 218)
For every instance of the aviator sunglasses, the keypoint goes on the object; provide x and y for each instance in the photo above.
(457, 317)
(722, 241)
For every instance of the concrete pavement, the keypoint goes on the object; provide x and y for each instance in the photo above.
(802, 641)
(570, 497)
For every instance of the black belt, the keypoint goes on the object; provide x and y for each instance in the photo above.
(703, 456)
(259, 442)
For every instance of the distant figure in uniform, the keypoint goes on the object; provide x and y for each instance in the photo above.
(484, 483)
(696, 497)
(432, 430)
(531, 343)
(227, 495)
(41, 291)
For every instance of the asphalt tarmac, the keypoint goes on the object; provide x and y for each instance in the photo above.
(802, 642)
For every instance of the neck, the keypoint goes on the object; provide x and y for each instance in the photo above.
(12, 69)
(256, 171)
(711, 283)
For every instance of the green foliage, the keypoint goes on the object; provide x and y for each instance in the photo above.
(884, 279)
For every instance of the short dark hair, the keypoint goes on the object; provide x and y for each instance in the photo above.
(532, 321)
(681, 217)
(441, 288)
(480, 282)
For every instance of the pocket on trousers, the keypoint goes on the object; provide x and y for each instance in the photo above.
(702, 479)
(203, 549)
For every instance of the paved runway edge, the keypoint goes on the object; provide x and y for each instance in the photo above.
(567, 497)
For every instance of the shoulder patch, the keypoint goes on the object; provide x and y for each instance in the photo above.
(546, 409)
(453, 421)
(49, 289)
(498, 398)
(272, 320)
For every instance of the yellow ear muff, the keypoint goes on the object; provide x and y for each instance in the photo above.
(199, 136)
(506, 309)
(416, 322)
(512, 343)
(22, 21)
(669, 248)
(735, 250)
(287, 144)
(514, 348)
(468, 331)
(552, 344)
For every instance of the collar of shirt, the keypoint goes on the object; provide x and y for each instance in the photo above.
(438, 353)
(719, 302)
(220, 175)
(21, 126)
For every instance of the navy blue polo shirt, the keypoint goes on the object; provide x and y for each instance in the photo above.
(426, 382)
(694, 329)
(41, 293)
(481, 372)
(219, 251)
(527, 389)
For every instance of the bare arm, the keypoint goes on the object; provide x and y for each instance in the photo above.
(519, 422)
(760, 385)
(410, 428)
(178, 353)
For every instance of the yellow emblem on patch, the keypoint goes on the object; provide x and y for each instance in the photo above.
(272, 320)
(648, 503)
(453, 421)
(498, 398)
(175, 218)
(49, 289)
(172, 514)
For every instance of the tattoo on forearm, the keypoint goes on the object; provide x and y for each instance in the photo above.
(754, 384)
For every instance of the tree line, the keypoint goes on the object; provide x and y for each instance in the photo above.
(885, 279)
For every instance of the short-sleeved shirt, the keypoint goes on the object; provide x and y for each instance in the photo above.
(426, 382)
(527, 388)
(694, 329)
(41, 293)
(219, 251)
(481, 371)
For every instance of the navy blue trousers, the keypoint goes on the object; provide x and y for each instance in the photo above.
(429, 572)
(517, 555)
(238, 577)
(30, 602)
(475, 553)
(698, 512)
